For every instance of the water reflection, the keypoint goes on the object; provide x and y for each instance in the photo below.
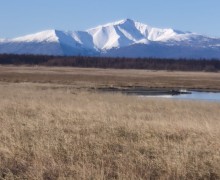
(195, 95)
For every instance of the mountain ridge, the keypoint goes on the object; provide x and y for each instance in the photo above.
(118, 38)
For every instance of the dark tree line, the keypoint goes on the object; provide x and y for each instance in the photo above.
(117, 63)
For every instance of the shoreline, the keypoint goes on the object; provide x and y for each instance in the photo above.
(153, 91)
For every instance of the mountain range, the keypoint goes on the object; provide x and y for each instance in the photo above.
(124, 38)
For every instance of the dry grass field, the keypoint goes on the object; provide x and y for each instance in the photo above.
(55, 130)
(91, 77)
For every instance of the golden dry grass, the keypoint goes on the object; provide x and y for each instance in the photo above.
(57, 132)
(91, 77)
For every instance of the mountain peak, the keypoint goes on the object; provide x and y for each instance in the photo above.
(127, 32)
(125, 21)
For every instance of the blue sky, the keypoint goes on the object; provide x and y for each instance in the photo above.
(19, 17)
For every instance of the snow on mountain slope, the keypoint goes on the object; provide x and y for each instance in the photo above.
(44, 36)
(127, 32)
(83, 38)
(49, 36)
(116, 35)
(120, 38)
(51, 42)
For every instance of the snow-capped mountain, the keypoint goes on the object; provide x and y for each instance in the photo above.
(125, 38)
(49, 42)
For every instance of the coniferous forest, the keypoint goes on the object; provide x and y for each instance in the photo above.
(212, 65)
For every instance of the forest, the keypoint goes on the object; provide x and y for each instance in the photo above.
(212, 65)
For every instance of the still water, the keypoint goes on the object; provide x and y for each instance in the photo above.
(195, 95)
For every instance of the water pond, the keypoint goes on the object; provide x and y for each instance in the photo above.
(195, 95)
(166, 93)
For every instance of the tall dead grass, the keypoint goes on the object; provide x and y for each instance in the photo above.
(49, 132)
